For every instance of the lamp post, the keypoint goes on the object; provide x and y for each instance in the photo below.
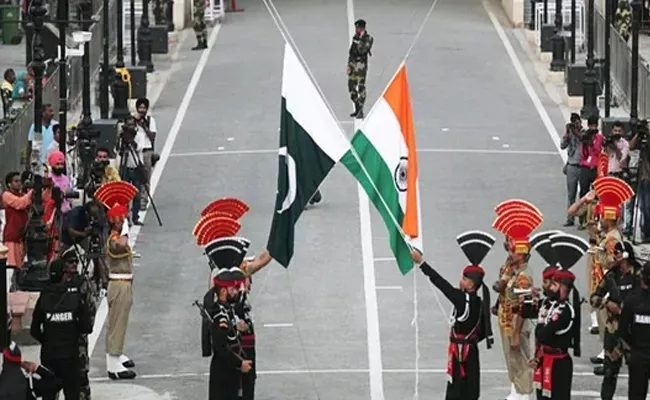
(85, 128)
(144, 38)
(36, 239)
(634, 81)
(573, 32)
(132, 31)
(120, 88)
(4, 324)
(62, 16)
(557, 41)
(170, 16)
(105, 77)
(589, 83)
(608, 57)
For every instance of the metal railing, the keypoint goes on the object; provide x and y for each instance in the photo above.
(13, 141)
(620, 66)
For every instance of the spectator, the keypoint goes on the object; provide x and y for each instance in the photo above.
(16, 204)
(54, 146)
(48, 122)
(147, 124)
(133, 170)
(590, 149)
(7, 90)
(618, 150)
(56, 161)
(639, 142)
(110, 173)
(76, 223)
(571, 143)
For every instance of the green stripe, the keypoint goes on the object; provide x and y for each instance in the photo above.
(382, 176)
(312, 166)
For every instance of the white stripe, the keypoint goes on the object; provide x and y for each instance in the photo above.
(102, 311)
(384, 259)
(389, 288)
(546, 120)
(493, 371)
(120, 276)
(308, 108)
(283, 325)
(275, 151)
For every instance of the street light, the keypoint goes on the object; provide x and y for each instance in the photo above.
(608, 57)
(36, 239)
(62, 16)
(144, 39)
(590, 83)
(120, 88)
(557, 41)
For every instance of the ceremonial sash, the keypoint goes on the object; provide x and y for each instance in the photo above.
(458, 350)
(543, 376)
(597, 275)
(248, 341)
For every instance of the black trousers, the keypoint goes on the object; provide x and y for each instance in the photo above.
(610, 379)
(67, 370)
(248, 379)
(562, 379)
(639, 370)
(224, 383)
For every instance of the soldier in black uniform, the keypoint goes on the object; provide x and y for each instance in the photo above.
(246, 328)
(25, 380)
(634, 333)
(541, 242)
(60, 318)
(618, 283)
(471, 316)
(559, 329)
(220, 338)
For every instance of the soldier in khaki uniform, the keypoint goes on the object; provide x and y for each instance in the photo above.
(119, 260)
(517, 222)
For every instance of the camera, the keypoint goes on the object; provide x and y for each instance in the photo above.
(611, 140)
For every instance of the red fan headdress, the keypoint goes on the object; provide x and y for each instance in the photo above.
(116, 196)
(515, 203)
(612, 192)
(214, 226)
(231, 207)
(603, 165)
(518, 224)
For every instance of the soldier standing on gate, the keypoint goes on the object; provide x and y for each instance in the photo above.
(200, 29)
(357, 68)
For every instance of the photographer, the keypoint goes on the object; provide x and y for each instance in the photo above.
(147, 124)
(618, 150)
(571, 143)
(639, 142)
(60, 318)
(102, 162)
(16, 204)
(590, 149)
(77, 223)
(131, 168)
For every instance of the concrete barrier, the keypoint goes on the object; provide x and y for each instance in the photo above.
(515, 11)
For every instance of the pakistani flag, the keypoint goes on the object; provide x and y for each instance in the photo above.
(311, 143)
(383, 158)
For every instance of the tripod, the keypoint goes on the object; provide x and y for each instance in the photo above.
(126, 149)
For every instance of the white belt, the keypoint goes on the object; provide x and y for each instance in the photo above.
(120, 277)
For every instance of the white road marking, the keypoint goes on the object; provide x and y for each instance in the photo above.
(369, 282)
(507, 146)
(546, 120)
(495, 138)
(280, 325)
(274, 151)
(102, 311)
(384, 259)
(221, 148)
(346, 122)
(389, 288)
(230, 139)
(434, 371)
(445, 129)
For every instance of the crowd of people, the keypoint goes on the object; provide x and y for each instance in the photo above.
(88, 255)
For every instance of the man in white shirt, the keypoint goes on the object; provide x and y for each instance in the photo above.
(48, 123)
(54, 146)
(147, 124)
(131, 167)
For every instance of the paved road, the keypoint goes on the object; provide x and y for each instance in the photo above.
(481, 141)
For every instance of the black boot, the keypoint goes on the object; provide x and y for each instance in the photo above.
(360, 113)
(201, 45)
(356, 111)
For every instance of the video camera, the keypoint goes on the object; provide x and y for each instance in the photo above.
(587, 136)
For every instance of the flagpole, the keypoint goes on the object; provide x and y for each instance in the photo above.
(289, 40)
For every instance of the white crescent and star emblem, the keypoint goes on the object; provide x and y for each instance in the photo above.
(291, 174)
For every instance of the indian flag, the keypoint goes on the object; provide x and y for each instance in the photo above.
(311, 143)
(386, 166)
